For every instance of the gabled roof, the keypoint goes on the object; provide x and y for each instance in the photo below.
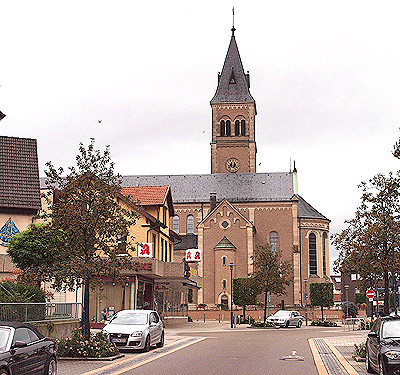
(224, 244)
(149, 195)
(305, 210)
(19, 173)
(235, 187)
(233, 86)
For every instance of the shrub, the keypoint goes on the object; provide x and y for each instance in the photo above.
(359, 350)
(262, 324)
(323, 323)
(76, 346)
(202, 306)
(190, 319)
(365, 325)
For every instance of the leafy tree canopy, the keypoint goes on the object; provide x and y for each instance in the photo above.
(372, 237)
(271, 275)
(321, 294)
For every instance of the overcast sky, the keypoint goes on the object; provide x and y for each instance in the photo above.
(325, 77)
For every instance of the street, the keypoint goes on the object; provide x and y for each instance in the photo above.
(212, 348)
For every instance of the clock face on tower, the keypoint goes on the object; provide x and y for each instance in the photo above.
(232, 165)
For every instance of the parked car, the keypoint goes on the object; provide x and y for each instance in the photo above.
(25, 351)
(382, 348)
(136, 329)
(286, 318)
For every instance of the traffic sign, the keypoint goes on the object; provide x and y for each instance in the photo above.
(370, 293)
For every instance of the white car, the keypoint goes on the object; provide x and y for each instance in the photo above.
(286, 318)
(136, 329)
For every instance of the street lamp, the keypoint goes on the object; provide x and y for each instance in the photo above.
(305, 299)
(347, 300)
(231, 265)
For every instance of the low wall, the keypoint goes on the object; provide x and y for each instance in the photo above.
(58, 329)
(175, 321)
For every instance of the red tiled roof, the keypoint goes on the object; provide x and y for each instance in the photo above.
(19, 173)
(146, 195)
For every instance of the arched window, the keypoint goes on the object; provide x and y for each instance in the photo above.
(228, 128)
(243, 127)
(190, 224)
(223, 284)
(312, 253)
(324, 239)
(224, 261)
(274, 242)
(175, 224)
(237, 127)
(222, 132)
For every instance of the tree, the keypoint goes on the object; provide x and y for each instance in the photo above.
(244, 293)
(321, 294)
(371, 240)
(37, 245)
(350, 309)
(84, 206)
(270, 275)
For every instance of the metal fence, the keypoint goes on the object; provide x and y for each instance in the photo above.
(39, 312)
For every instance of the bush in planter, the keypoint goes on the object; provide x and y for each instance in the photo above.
(359, 350)
(76, 346)
(262, 324)
(323, 323)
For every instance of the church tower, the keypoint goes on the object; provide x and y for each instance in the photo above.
(233, 145)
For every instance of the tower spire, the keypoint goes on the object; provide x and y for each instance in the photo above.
(233, 21)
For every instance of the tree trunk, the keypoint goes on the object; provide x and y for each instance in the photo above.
(386, 297)
(85, 310)
(265, 306)
(322, 313)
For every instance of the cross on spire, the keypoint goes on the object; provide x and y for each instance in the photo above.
(233, 21)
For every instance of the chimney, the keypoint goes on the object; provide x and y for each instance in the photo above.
(213, 201)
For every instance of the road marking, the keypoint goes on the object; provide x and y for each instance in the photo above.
(341, 359)
(156, 357)
(128, 359)
(317, 358)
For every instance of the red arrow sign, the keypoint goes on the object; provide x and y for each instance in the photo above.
(370, 293)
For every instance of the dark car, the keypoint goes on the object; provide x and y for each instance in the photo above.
(383, 346)
(25, 351)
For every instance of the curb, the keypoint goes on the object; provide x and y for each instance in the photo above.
(91, 359)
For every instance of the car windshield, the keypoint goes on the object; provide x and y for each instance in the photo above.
(391, 329)
(280, 313)
(4, 335)
(129, 318)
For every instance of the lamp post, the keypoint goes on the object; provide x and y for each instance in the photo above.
(346, 287)
(231, 265)
(305, 299)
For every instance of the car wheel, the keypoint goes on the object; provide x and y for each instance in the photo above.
(287, 324)
(147, 344)
(368, 363)
(3, 372)
(299, 324)
(51, 367)
(161, 343)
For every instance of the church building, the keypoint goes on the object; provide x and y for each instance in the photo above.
(228, 213)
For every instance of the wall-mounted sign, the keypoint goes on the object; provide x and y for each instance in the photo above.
(145, 250)
(7, 231)
(138, 266)
(193, 255)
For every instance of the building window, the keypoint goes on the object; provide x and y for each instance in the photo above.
(274, 242)
(222, 131)
(165, 251)
(223, 284)
(243, 127)
(175, 224)
(312, 253)
(324, 239)
(190, 224)
(164, 215)
(224, 261)
(162, 249)
(121, 244)
(228, 128)
(170, 253)
(237, 127)
(354, 276)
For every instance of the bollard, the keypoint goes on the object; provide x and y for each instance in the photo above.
(219, 318)
(204, 320)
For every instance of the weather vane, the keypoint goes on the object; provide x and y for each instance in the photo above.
(233, 21)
